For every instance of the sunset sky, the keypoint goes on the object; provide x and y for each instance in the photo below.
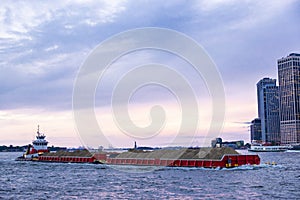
(43, 44)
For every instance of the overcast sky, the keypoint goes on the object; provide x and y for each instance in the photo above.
(44, 43)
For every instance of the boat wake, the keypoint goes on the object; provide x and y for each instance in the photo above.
(141, 169)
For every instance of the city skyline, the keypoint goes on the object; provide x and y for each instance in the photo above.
(44, 44)
(278, 119)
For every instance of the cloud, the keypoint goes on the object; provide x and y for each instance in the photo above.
(43, 45)
(44, 82)
(244, 12)
(17, 21)
(36, 55)
(52, 48)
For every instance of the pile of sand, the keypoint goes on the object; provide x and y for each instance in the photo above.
(217, 153)
(184, 153)
(78, 153)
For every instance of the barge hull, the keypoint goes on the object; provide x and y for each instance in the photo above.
(227, 161)
(67, 159)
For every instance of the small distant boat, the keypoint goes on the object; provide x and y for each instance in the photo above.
(261, 148)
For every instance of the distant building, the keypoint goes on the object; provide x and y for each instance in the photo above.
(233, 144)
(289, 87)
(216, 142)
(268, 110)
(255, 129)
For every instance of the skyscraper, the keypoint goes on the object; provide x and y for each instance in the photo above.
(255, 129)
(289, 87)
(268, 110)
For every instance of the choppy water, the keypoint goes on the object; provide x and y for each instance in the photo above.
(21, 180)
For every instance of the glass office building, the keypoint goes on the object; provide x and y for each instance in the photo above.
(289, 93)
(268, 110)
(255, 129)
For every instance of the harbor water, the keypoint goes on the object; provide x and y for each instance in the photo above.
(35, 180)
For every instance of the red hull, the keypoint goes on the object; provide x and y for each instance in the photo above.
(67, 159)
(226, 162)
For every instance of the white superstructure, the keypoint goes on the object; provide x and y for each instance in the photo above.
(40, 144)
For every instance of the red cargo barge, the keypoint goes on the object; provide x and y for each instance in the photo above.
(181, 159)
(67, 159)
(227, 161)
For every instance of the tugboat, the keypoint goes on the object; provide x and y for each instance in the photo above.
(38, 147)
(38, 151)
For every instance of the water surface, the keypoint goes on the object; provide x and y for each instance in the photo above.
(21, 180)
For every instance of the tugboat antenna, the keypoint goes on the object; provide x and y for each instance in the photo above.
(38, 130)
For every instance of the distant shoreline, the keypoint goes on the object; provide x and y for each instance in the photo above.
(11, 148)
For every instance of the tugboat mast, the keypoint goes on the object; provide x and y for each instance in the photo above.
(38, 131)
